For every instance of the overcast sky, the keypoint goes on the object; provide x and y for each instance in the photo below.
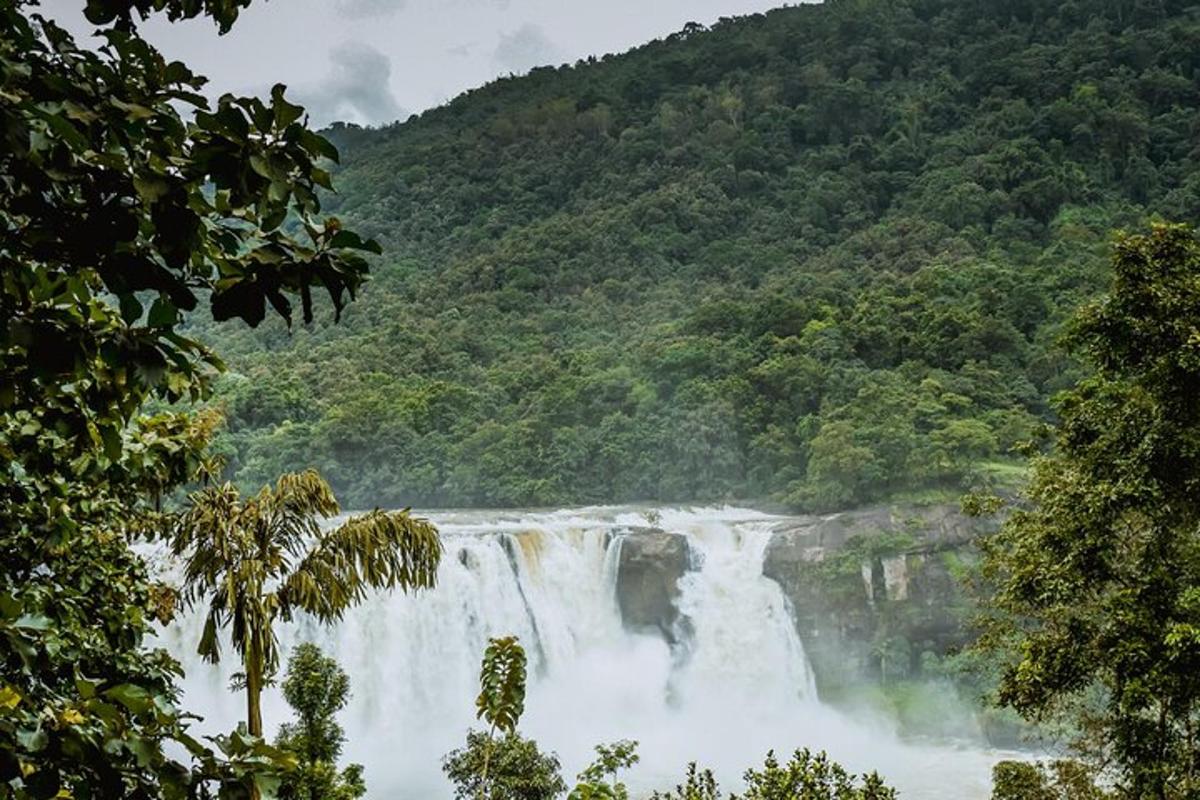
(373, 61)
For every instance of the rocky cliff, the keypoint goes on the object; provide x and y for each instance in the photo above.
(874, 592)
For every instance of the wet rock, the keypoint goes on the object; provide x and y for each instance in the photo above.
(650, 566)
(858, 579)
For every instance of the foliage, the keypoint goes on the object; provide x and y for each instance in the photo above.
(317, 688)
(258, 560)
(120, 209)
(1065, 780)
(697, 785)
(508, 767)
(1097, 574)
(805, 777)
(820, 254)
(811, 777)
(598, 781)
(501, 699)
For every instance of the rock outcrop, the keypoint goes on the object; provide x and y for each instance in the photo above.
(876, 589)
(651, 564)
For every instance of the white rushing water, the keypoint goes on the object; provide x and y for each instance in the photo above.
(744, 687)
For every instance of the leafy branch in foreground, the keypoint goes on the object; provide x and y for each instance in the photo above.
(598, 781)
(510, 767)
(125, 201)
(501, 699)
(1097, 574)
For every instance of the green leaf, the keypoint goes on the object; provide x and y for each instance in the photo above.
(33, 622)
(32, 739)
(136, 698)
(163, 314)
(285, 113)
(131, 308)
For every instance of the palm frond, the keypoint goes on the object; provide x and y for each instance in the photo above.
(289, 515)
(209, 648)
(305, 494)
(381, 550)
(207, 534)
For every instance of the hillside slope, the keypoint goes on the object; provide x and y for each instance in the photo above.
(820, 254)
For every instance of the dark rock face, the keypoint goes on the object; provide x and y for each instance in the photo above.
(648, 572)
(875, 589)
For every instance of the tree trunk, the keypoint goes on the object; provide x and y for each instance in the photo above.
(487, 757)
(254, 722)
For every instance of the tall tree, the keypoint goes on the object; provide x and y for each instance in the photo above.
(126, 199)
(501, 699)
(1098, 575)
(511, 767)
(255, 561)
(317, 688)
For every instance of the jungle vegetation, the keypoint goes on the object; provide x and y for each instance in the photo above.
(821, 255)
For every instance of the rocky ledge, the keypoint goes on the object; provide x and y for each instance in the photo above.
(874, 592)
(877, 589)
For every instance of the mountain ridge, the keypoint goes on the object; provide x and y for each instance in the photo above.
(820, 254)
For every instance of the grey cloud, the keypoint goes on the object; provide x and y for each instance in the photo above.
(356, 9)
(356, 90)
(526, 47)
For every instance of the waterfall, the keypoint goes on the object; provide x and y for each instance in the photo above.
(741, 684)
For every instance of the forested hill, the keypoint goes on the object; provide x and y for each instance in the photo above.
(820, 255)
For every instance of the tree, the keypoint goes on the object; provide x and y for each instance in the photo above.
(807, 776)
(697, 785)
(317, 688)
(120, 209)
(259, 560)
(510, 767)
(811, 776)
(1064, 780)
(501, 699)
(1097, 573)
(599, 780)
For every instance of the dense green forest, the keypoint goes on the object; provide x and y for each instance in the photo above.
(820, 255)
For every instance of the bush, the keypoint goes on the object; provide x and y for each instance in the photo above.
(516, 769)
(1063, 780)
(807, 776)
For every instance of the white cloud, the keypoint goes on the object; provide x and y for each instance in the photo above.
(526, 47)
(356, 90)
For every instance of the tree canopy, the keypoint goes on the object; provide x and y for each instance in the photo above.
(254, 562)
(1098, 571)
(317, 688)
(820, 254)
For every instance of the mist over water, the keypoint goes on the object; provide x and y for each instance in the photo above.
(739, 685)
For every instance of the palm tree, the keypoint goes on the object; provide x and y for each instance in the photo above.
(258, 560)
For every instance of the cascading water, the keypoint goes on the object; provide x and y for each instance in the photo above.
(740, 685)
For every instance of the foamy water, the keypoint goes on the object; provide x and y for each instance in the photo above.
(744, 687)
